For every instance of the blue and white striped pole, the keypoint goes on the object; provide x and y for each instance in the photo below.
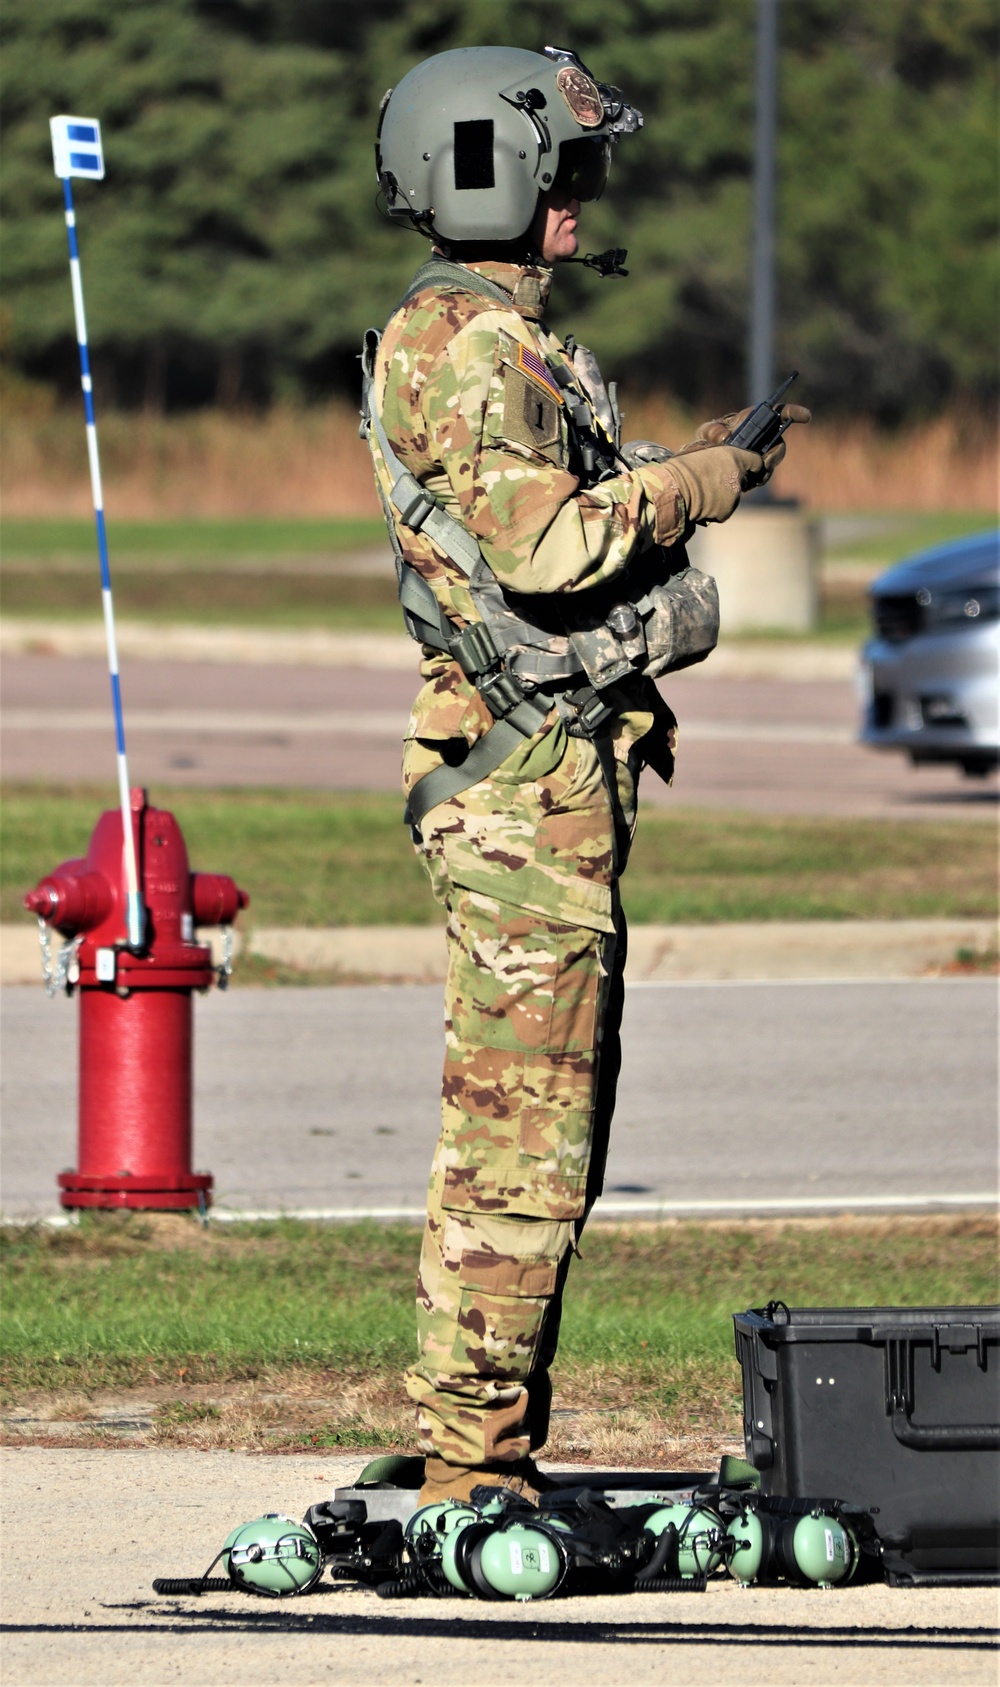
(76, 151)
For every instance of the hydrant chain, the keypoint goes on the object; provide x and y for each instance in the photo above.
(226, 965)
(57, 978)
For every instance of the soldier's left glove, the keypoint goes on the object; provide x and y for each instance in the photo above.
(639, 451)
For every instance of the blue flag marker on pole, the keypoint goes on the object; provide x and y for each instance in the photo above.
(77, 151)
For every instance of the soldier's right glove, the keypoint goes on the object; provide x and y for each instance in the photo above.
(712, 478)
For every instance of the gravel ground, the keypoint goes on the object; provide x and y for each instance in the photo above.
(87, 1531)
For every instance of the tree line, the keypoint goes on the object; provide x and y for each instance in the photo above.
(235, 253)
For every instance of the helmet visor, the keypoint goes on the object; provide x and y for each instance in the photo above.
(583, 168)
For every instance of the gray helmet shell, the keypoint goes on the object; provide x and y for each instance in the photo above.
(468, 139)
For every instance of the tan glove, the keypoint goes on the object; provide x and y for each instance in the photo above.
(717, 432)
(712, 478)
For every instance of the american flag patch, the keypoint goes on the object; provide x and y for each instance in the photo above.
(530, 362)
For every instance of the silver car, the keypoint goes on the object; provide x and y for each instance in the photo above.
(930, 674)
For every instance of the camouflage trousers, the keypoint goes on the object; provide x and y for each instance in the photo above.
(532, 1014)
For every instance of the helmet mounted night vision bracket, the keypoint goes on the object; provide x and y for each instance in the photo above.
(611, 111)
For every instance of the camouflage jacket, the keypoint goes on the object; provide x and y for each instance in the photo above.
(465, 396)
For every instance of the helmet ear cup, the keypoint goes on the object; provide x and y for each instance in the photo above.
(469, 1559)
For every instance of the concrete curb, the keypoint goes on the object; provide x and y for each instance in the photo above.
(807, 949)
(763, 659)
(139, 641)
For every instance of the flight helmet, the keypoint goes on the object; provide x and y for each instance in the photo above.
(469, 139)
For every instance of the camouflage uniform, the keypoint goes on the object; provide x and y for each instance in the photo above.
(524, 862)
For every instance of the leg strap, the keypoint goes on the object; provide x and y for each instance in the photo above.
(609, 767)
(485, 756)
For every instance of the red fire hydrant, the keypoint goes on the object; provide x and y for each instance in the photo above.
(135, 1009)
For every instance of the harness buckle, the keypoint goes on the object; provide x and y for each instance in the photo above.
(414, 512)
(591, 713)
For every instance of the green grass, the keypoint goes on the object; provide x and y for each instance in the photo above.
(705, 866)
(278, 599)
(317, 858)
(118, 1304)
(648, 1314)
(283, 573)
(906, 534)
(181, 544)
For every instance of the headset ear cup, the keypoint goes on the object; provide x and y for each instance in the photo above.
(468, 1559)
(480, 1581)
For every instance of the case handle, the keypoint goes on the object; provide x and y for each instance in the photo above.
(945, 1437)
(941, 1437)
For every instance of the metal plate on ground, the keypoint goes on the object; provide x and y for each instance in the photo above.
(615, 1487)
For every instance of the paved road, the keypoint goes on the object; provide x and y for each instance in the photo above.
(88, 1531)
(743, 1093)
(770, 746)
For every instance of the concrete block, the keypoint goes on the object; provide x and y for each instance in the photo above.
(766, 562)
(391, 952)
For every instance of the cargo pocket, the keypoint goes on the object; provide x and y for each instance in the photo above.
(517, 1133)
(555, 1130)
(524, 1192)
(502, 1313)
(519, 982)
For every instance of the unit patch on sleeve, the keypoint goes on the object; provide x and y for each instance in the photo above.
(531, 404)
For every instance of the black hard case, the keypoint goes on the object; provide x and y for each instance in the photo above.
(887, 1406)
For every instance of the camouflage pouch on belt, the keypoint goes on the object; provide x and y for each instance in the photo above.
(649, 621)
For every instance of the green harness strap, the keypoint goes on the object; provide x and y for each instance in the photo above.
(516, 716)
(439, 272)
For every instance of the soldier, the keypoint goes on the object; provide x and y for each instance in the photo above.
(534, 556)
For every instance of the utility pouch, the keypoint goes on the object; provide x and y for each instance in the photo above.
(649, 625)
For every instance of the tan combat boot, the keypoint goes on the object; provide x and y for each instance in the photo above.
(456, 1481)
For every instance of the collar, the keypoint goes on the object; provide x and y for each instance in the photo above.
(528, 285)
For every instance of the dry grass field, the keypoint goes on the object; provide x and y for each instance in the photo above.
(310, 462)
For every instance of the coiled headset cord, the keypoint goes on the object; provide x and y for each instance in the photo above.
(196, 1584)
(193, 1584)
(650, 1580)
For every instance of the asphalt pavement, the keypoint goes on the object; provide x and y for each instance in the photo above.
(775, 745)
(734, 1097)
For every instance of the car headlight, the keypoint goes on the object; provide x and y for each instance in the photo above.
(975, 603)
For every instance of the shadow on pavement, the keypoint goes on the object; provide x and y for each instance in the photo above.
(270, 1621)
